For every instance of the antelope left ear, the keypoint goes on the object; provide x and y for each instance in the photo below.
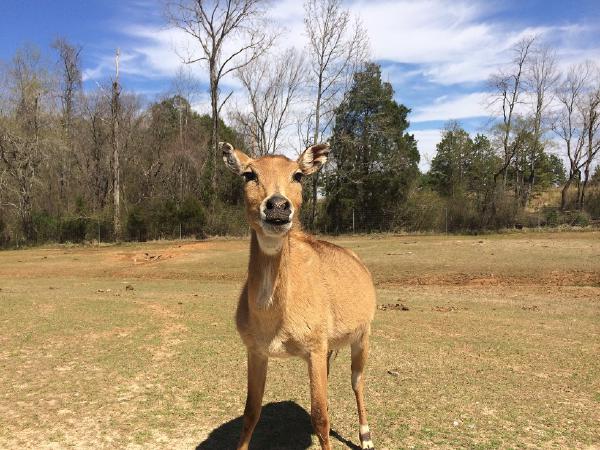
(235, 160)
(313, 158)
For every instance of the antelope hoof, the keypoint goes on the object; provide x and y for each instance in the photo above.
(365, 441)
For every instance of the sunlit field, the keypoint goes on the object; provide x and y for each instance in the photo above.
(478, 342)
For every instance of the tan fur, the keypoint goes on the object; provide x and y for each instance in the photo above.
(303, 297)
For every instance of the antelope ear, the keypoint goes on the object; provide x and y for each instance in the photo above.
(235, 160)
(313, 158)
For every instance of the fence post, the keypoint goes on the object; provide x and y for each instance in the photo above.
(179, 230)
(352, 220)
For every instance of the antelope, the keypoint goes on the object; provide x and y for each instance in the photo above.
(303, 297)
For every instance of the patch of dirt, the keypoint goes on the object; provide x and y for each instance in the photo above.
(175, 251)
(160, 310)
(554, 278)
(392, 307)
(447, 308)
(120, 332)
(144, 257)
(174, 275)
(169, 341)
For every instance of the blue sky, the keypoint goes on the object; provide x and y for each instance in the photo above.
(436, 53)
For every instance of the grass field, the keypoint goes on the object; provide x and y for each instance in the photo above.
(134, 346)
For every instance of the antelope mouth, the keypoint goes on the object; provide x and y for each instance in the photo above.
(276, 226)
(275, 216)
(277, 221)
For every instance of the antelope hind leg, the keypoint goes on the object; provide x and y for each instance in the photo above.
(360, 351)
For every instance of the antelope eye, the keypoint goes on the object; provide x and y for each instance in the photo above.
(298, 176)
(249, 176)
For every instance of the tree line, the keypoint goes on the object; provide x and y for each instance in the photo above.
(82, 164)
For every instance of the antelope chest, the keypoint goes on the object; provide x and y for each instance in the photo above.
(279, 342)
(278, 347)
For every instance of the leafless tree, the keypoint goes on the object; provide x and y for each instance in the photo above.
(230, 34)
(507, 89)
(569, 123)
(116, 146)
(337, 45)
(272, 83)
(540, 81)
(23, 146)
(183, 87)
(93, 161)
(70, 84)
(589, 109)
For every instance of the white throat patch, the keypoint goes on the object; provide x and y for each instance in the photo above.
(266, 287)
(269, 245)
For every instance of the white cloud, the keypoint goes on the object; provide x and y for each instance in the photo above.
(445, 43)
(426, 142)
(421, 32)
(460, 107)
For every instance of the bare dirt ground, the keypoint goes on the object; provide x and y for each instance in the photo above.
(479, 342)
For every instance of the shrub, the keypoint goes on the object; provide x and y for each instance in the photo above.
(579, 219)
(424, 210)
(46, 227)
(73, 229)
(192, 217)
(592, 203)
(552, 217)
(227, 220)
(136, 225)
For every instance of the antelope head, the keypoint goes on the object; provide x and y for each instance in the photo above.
(273, 188)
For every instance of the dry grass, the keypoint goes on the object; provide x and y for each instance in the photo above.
(498, 349)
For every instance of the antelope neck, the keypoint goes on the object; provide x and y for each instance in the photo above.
(265, 268)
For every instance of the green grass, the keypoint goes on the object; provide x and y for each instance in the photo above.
(499, 347)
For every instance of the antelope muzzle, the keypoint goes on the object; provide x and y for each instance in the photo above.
(277, 210)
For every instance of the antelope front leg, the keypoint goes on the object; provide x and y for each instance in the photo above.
(257, 374)
(317, 370)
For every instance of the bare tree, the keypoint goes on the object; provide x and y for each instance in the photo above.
(569, 122)
(70, 85)
(116, 180)
(183, 89)
(507, 88)
(272, 83)
(540, 80)
(21, 158)
(95, 139)
(589, 109)
(23, 147)
(336, 47)
(230, 34)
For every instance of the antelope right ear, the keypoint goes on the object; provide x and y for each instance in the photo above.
(313, 158)
(235, 160)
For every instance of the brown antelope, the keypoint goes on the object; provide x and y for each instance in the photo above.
(303, 297)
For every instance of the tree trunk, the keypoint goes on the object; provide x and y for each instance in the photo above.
(564, 194)
(586, 177)
(214, 103)
(315, 179)
(26, 218)
(116, 169)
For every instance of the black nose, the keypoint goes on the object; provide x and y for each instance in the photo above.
(278, 202)
(278, 210)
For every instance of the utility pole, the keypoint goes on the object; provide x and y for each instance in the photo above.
(115, 107)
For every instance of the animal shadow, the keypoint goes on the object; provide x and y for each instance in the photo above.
(282, 426)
